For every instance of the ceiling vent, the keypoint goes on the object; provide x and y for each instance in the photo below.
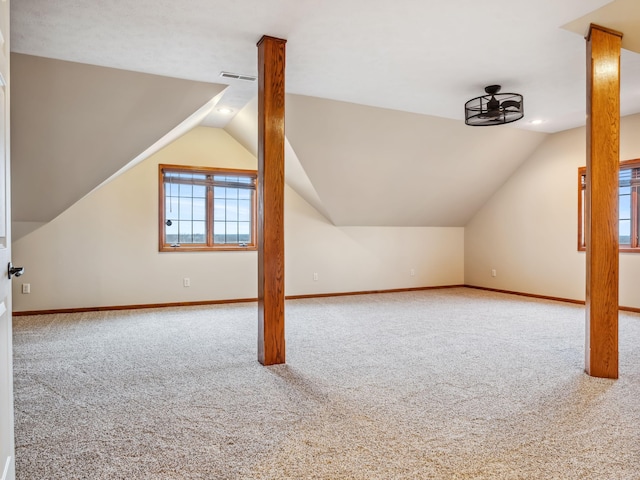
(238, 76)
(493, 108)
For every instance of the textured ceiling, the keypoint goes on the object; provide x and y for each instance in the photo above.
(417, 56)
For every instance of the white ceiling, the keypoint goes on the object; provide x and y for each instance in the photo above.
(420, 56)
(376, 88)
(399, 168)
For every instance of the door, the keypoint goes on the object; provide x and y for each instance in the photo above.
(7, 461)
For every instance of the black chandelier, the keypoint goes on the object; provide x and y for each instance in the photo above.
(493, 108)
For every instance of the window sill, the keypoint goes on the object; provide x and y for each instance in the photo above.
(227, 248)
(621, 249)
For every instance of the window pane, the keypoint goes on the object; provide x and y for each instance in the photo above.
(232, 210)
(625, 232)
(636, 232)
(219, 209)
(627, 226)
(583, 240)
(171, 189)
(185, 208)
(199, 232)
(244, 210)
(219, 232)
(199, 209)
(625, 177)
(171, 233)
(625, 207)
(186, 190)
(185, 232)
(171, 208)
(232, 232)
(225, 178)
(199, 191)
(229, 219)
(244, 232)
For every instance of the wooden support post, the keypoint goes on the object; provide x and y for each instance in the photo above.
(271, 66)
(603, 152)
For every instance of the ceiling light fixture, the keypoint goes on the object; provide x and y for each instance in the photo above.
(536, 122)
(493, 108)
(225, 110)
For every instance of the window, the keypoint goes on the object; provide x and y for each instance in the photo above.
(207, 209)
(628, 208)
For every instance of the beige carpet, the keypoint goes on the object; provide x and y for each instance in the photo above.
(444, 384)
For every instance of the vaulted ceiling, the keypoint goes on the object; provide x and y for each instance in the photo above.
(73, 125)
(372, 166)
(376, 89)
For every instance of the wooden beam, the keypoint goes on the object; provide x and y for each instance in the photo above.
(271, 67)
(603, 157)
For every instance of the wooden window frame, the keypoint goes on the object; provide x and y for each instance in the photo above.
(634, 246)
(210, 246)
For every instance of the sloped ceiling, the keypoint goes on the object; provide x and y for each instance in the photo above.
(73, 125)
(376, 91)
(372, 166)
(362, 165)
(244, 128)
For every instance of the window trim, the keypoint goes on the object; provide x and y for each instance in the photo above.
(210, 246)
(635, 221)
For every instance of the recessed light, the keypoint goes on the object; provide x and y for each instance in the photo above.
(536, 122)
(225, 110)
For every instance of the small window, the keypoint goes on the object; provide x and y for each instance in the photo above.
(207, 209)
(628, 207)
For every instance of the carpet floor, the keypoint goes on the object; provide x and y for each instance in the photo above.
(442, 384)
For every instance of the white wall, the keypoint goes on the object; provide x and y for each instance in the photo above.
(103, 251)
(528, 230)
(350, 259)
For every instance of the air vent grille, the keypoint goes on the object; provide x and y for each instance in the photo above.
(238, 76)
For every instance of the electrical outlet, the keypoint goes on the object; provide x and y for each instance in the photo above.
(315, 276)
(186, 282)
(493, 272)
(412, 272)
(26, 288)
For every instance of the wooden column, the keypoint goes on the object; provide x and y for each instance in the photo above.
(603, 158)
(271, 66)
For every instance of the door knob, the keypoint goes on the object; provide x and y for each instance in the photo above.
(15, 271)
